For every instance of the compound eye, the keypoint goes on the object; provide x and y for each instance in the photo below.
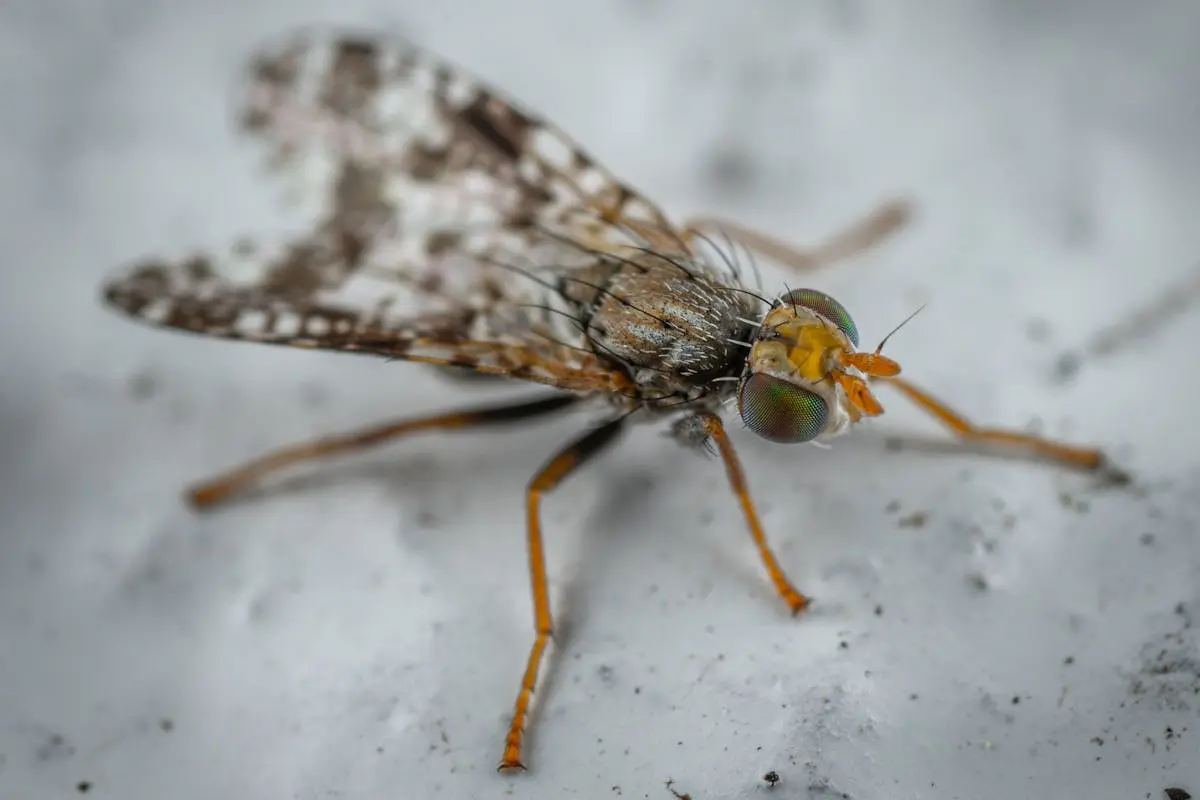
(781, 411)
(827, 307)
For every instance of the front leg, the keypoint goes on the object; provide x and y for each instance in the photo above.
(706, 430)
(1060, 453)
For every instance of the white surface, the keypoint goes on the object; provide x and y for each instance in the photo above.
(362, 637)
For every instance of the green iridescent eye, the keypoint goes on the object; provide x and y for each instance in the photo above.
(781, 411)
(827, 307)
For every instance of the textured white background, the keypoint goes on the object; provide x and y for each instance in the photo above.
(362, 636)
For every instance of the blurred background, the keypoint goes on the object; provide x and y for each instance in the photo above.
(987, 628)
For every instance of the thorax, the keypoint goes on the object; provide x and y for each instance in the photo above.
(672, 327)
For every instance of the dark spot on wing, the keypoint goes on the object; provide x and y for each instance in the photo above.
(198, 269)
(298, 274)
(497, 125)
(441, 242)
(353, 80)
(423, 162)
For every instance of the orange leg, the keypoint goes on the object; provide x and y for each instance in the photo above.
(713, 426)
(221, 488)
(1065, 454)
(550, 476)
(858, 238)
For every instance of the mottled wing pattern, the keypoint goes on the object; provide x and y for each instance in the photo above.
(439, 200)
(383, 102)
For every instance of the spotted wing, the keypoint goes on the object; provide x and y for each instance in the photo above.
(441, 205)
(190, 296)
(382, 102)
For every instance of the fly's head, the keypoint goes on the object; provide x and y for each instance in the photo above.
(804, 378)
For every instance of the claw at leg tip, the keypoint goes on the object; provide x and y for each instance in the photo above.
(202, 497)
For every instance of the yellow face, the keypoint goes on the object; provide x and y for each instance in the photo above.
(805, 348)
(798, 363)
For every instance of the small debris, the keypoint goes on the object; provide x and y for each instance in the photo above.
(1072, 503)
(731, 169)
(605, 673)
(143, 385)
(166, 725)
(54, 748)
(1037, 330)
(671, 789)
(83, 787)
(1067, 365)
(771, 778)
(1177, 794)
(917, 519)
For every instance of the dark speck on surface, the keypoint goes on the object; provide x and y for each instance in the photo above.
(731, 169)
(847, 16)
(143, 385)
(678, 795)
(1067, 366)
(54, 748)
(1038, 330)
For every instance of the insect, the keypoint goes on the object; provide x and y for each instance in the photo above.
(458, 229)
